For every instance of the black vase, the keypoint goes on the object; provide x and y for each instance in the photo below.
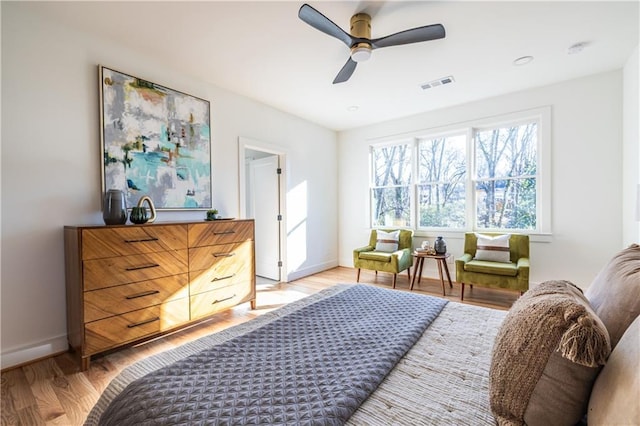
(114, 208)
(440, 246)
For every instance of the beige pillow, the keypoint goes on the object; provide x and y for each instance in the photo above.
(387, 241)
(615, 399)
(546, 356)
(615, 292)
(493, 249)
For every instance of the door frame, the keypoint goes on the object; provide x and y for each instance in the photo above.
(243, 145)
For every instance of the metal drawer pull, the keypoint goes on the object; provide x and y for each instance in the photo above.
(222, 300)
(138, 324)
(142, 240)
(143, 294)
(223, 278)
(223, 254)
(224, 232)
(149, 265)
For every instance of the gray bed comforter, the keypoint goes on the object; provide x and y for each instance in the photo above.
(442, 379)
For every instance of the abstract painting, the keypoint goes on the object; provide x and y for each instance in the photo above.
(155, 141)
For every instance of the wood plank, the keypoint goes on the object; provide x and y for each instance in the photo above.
(76, 395)
(40, 376)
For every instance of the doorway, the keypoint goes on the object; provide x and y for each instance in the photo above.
(261, 199)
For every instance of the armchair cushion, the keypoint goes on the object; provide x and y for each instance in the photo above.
(493, 248)
(377, 256)
(495, 268)
(387, 241)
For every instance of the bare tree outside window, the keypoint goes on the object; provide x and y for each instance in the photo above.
(442, 170)
(391, 201)
(506, 175)
(490, 182)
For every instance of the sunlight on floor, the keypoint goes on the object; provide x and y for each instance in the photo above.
(271, 295)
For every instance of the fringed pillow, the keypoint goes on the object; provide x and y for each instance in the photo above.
(493, 249)
(546, 356)
(387, 241)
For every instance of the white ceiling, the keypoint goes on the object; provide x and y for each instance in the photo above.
(264, 51)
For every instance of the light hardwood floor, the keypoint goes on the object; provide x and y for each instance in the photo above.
(54, 391)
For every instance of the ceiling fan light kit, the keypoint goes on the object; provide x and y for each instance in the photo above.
(360, 52)
(359, 40)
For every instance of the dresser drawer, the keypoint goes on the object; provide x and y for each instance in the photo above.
(109, 242)
(101, 273)
(220, 232)
(115, 331)
(206, 280)
(107, 302)
(223, 298)
(220, 256)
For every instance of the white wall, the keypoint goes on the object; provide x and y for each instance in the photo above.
(631, 151)
(586, 158)
(51, 167)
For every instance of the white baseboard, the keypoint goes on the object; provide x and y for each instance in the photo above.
(24, 355)
(310, 270)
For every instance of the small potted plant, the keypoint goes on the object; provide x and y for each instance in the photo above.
(212, 214)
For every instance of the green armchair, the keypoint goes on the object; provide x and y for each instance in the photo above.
(396, 261)
(512, 273)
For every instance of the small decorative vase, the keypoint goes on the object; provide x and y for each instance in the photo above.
(440, 246)
(152, 208)
(114, 207)
(138, 215)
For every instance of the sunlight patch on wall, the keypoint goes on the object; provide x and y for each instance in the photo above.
(297, 201)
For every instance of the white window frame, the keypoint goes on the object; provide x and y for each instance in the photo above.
(542, 116)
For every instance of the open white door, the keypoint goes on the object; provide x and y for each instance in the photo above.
(264, 207)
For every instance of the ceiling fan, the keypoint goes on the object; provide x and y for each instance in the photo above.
(359, 41)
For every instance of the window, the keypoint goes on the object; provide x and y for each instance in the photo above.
(391, 185)
(485, 175)
(442, 171)
(505, 179)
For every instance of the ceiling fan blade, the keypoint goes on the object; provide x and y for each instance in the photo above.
(346, 71)
(414, 35)
(320, 22)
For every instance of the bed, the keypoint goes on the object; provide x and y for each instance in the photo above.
(442, 376)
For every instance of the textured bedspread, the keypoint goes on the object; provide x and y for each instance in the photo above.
(444, 378)
(315, 364)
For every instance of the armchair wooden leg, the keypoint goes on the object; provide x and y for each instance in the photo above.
(462, 292)
(394, 280)
(409, 274)
(358, 276)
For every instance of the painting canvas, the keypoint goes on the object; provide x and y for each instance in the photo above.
(155, 141)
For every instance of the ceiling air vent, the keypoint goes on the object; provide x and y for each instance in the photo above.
(438, 82)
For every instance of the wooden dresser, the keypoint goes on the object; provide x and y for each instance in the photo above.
(128, 283)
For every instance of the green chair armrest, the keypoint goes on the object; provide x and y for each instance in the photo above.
(523, 267)
(460, 262)
(356, 253)
(402, 259)
(365, 248)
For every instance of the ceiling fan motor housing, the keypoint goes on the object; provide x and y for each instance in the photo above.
(361, 28)
(361, 25)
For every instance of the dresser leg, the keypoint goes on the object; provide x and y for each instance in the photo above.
(253, 304)
(84, 363)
